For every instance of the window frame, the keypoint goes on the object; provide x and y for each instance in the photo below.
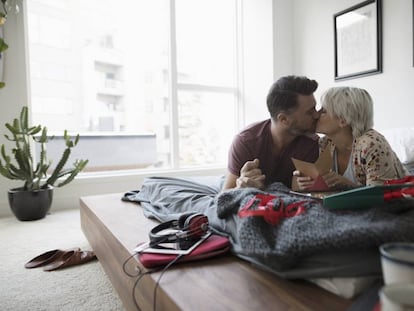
(176, 86)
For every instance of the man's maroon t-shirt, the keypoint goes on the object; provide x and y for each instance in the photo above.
(255, 141)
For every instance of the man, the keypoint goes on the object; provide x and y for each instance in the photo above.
(262, 152)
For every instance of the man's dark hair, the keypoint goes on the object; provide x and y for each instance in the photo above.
(282, 96)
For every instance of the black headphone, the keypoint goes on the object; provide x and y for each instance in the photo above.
(190, 228)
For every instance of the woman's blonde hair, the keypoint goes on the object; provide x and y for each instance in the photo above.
(352, 104)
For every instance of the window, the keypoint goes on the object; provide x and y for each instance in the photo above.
(147, 84)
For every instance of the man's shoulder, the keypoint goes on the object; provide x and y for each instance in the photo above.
(256, 130)
(257, 125)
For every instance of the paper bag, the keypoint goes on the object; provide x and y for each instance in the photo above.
(315, 170)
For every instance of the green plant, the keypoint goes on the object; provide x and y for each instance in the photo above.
(35, 175)
(3, 47)
(3, 44)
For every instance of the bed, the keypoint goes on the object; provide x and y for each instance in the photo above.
(335, 249)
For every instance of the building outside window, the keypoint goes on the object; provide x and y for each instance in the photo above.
(147, 84)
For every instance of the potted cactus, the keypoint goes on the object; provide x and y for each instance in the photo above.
(32, 201)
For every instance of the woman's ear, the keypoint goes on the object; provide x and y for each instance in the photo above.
(343, 123)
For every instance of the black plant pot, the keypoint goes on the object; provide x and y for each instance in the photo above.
(30, 205)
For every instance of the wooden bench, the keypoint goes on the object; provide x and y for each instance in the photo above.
(114, 228)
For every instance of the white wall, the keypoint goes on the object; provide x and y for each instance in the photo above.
(392, 90)
(283, 38)
(258, 70)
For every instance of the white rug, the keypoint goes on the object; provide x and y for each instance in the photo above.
(82, 287)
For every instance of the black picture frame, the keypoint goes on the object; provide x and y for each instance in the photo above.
(358, 40)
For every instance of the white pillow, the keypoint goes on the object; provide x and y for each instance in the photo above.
(402, 142)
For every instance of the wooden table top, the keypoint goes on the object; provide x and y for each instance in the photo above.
(114, 228)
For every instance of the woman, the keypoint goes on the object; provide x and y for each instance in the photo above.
(361, 155)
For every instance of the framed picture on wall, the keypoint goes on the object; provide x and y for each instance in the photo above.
(358, 40)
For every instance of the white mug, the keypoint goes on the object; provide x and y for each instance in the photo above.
(397, 261)
(397, 297)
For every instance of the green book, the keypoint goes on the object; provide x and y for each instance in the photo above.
(363, 197)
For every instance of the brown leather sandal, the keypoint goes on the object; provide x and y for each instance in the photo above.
(70, 258)
(46, 258)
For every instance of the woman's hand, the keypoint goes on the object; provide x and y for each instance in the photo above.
(303, 182)
(333, 181)
(336, 181)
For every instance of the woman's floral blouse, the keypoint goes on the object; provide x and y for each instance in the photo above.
(373, 159)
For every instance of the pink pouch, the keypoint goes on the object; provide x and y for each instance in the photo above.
(213, 246)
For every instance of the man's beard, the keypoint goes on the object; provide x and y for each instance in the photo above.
(298, 130)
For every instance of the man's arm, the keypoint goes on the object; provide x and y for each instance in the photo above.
(250, 176)
(230, 181)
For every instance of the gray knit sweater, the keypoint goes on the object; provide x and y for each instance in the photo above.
(317, 230)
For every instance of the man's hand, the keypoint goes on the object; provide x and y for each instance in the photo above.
(251, 175)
